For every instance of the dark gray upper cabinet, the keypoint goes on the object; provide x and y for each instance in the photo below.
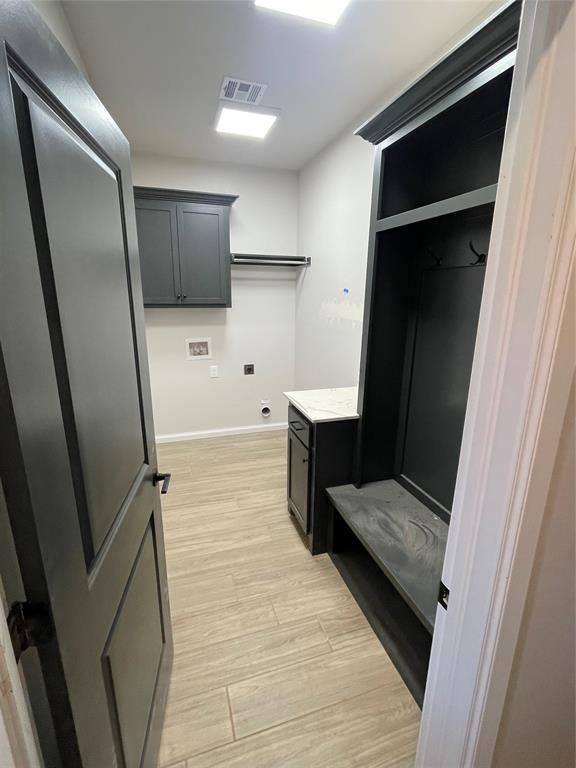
(184, 242)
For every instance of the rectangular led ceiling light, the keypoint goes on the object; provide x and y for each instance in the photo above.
(325, 11)
(243, 122)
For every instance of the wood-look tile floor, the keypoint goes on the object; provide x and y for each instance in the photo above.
(274, 664)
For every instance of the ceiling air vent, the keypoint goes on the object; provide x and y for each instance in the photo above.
(242, 91)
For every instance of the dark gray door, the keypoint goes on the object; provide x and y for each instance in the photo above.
(158, 247)
(77, 455)
(204, 251)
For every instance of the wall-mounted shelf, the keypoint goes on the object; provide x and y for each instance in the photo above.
(255, 259)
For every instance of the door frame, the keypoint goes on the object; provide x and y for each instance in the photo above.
(17, 733)
(521, 379)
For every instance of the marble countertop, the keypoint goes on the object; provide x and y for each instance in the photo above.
(317, 405)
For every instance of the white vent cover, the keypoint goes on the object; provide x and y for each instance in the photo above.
(242, 91)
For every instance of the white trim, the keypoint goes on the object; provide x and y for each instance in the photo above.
(522, 372)
(181, 436)
(18, 747)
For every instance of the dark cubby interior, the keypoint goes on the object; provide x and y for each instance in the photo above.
(427, 290)
(455, 152)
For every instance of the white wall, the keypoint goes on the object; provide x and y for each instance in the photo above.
(265, 217)
(537, 726)
(334, 215)
(259, 328)
(53, 14)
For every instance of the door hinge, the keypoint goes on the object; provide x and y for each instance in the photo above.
(30, 625)
(443, 595)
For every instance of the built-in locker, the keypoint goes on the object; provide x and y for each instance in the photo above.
(437, 160)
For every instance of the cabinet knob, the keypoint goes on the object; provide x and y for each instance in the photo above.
(177, 295)
(183, 295)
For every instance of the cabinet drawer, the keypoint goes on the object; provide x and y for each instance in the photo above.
(299, 425)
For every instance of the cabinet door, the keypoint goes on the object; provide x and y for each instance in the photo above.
(158, 245)
(204, 254)
(298, 474)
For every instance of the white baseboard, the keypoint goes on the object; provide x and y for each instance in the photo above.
(180, 436)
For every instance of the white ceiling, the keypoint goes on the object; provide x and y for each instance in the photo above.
(157, 65)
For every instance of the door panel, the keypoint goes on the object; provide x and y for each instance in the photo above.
(445, 336)
(158, 243)
(202, 233)
(133, 656)
(87, 258)
(298, 473)
(77, 455)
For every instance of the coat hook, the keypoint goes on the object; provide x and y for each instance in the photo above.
(480, 257)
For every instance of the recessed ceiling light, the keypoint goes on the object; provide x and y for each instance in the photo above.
(245, 122)
(326, 11)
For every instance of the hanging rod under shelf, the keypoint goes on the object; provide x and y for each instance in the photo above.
(256, 259)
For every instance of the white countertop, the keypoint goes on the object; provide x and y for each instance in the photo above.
(326, 404)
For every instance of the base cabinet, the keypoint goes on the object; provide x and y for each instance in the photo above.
(320, 455)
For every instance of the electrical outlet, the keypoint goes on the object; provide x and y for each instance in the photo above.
(248, 369)
(213, 371)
